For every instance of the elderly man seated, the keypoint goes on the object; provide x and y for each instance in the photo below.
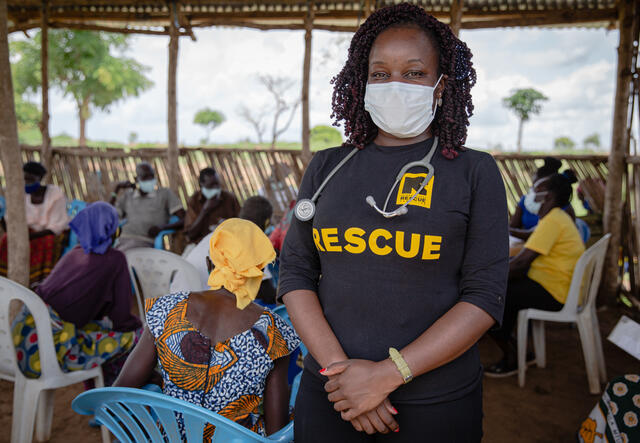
(146, 207)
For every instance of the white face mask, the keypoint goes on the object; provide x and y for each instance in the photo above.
(209, 193)
(530, 202)
(147, 186)
(403, 110)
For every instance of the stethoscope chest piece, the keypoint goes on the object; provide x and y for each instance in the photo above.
(305, 209)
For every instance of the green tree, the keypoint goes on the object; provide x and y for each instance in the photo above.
(524, 103)
(323, 136)
(563, 143)
(27, 113)
(592, 141)
(209, 119)
(88, 66)
(133, 138)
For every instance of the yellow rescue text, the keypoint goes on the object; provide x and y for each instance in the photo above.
(379, 241)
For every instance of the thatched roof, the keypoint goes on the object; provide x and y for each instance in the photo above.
(154, 15)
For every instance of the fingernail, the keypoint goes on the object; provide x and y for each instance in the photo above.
(395, 411)
(322, 371)
(397, 429)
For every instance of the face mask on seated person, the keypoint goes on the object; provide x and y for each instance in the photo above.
(147, 186)
(33, 187)
(530, 202)
(210, 193)
(404, 110)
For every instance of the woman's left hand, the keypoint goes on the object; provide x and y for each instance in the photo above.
(359, 386)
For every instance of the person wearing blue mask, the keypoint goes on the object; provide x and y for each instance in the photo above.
(208, 207)
(46, 211)
(146, 207)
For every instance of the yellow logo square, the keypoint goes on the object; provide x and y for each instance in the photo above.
(409, 185)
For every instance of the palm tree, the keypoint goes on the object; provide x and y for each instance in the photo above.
(525, 103)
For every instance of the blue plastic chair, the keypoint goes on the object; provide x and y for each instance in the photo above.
(3, 206)
(158, 243)
(584, 230)
(73, 207)
(135, 415)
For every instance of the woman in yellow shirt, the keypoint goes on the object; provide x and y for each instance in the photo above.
(540, 275)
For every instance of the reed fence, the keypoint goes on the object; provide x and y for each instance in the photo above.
(90, 174)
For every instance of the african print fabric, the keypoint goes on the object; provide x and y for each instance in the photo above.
(76, 348)
(615, 417)
(44, 254)
(228, 377)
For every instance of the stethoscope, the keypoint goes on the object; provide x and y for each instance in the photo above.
(305, 209)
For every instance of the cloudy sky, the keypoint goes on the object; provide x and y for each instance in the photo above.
(574, 68)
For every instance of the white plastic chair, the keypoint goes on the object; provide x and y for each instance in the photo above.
(33, 397)
(580, 308)
(152, 271)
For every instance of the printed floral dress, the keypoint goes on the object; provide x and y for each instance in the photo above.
(227, 377)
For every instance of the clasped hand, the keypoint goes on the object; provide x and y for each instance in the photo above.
(358, 390)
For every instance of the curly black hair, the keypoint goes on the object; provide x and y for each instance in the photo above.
(451, 120)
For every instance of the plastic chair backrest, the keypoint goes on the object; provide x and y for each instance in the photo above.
(10, 290)
(138, 415)
(152, 271)
(3, 206)
(586, 277)
(158, 242)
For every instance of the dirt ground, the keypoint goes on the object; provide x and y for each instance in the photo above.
(549, 408)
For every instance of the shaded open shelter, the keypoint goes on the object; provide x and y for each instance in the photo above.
(176, 19)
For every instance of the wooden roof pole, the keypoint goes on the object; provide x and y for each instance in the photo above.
(456, 16)
(17, 231)
(44, 62)
(612, 218)
(306, 74)
(172, 154)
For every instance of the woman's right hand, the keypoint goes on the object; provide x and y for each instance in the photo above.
(381, 419)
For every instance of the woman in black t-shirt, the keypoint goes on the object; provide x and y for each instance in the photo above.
(426, 274)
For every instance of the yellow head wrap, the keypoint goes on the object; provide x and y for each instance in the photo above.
(239, 251)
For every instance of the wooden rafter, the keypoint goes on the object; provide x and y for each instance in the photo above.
(281, 14)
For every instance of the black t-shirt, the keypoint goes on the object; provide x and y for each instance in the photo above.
(383, 281)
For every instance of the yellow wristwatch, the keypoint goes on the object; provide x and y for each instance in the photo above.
(396, 357)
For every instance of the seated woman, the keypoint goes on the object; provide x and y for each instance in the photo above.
(216, 348)
(540, 275)
(525, 218)
(89, 298)
(46, 210)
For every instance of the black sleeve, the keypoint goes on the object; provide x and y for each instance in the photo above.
(299, 261)
(485, 266)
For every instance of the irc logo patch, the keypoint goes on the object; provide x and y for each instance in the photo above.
(409, 185)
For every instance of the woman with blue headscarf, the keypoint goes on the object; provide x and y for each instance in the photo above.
(89, 298)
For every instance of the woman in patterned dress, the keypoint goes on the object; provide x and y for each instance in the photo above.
(216, 348)
(88, 295)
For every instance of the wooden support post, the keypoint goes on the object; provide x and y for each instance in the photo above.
(172, 154)
(306, 73)
(17, 231)
(619, 146)
(456, 16)
(44, 62)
